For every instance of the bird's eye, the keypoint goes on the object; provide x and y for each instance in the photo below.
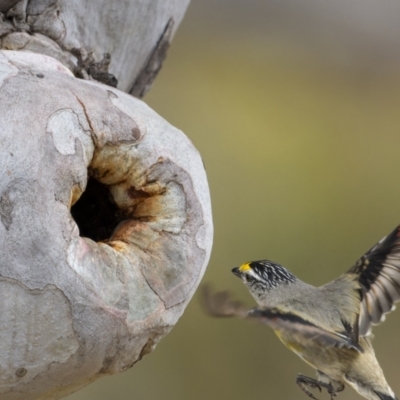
(247, 278)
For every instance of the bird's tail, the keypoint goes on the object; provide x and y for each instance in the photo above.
(383, 396)
(366, 375)
(371, 391)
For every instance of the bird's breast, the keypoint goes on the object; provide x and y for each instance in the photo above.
(290, 344)
(313, 354)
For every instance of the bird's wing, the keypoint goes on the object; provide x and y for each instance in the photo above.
(378, 273)
(303, 331)
(221, 304)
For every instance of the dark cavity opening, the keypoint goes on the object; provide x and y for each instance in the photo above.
(95, 212)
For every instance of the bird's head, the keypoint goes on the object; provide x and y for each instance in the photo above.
(262, 276)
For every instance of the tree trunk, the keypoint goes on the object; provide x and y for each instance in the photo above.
(105, 218)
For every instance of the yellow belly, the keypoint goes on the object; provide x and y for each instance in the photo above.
(294, 346)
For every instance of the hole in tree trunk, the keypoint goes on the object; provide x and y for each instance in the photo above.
(95, 212)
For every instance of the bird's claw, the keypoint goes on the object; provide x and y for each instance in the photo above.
(304, 381)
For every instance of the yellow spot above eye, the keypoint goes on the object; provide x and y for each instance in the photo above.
(245, 267)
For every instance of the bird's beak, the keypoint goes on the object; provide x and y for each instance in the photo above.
(237, 272)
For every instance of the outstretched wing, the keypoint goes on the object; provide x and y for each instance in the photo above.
(221, 304)
(303, 331)
(378, 273)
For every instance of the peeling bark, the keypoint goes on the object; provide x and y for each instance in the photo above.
(78, 156)
(153, 65)
(81, 34)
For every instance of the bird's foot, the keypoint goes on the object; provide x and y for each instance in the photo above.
(304, 381)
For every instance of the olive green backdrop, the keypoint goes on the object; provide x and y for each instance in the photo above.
(294, 106)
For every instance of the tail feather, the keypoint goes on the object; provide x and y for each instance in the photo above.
(383, 396)
(370, 390)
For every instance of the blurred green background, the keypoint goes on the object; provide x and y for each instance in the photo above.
(294, 106)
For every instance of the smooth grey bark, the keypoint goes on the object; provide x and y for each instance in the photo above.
(105, 216)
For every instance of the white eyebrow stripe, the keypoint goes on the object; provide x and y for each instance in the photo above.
(253, 274)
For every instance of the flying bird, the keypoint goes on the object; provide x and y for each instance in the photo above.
(329, 326)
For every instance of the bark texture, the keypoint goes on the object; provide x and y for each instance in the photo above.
(82, 34)
(105, 218)
(75, 156)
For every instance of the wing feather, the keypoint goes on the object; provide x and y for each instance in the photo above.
(383, 296)
(373, 307)
(364, 321)
(391, 287)
(221, 304)
(378, 273)
(303, 331)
